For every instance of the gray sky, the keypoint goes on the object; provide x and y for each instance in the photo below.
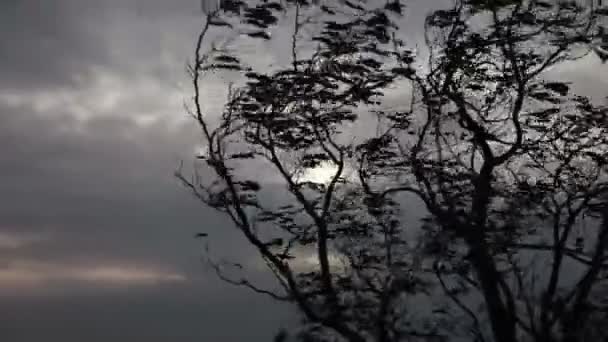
(95, 233)
(96, 236)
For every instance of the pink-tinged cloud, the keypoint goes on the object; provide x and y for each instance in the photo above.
(34, 275)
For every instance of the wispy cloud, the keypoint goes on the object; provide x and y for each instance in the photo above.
(35, 275)
(15, 241)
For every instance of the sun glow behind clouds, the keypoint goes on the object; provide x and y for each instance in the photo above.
(324, 173)
(321, 174)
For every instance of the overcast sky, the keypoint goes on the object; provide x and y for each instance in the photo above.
(95, 233)
(96, 236)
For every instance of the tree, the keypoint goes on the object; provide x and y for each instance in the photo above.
(509, 165)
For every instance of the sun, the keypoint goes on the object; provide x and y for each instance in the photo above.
(323, 173)
(326, 171)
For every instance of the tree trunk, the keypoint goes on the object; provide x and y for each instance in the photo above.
(502, 321)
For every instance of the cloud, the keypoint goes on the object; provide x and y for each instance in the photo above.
(100, 192)
(45, 43)
(13, 240)
(35, 276)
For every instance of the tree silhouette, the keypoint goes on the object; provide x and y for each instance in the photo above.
(509, 164)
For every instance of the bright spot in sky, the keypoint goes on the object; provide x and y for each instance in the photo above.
(321, 174)
(325, 172)
(310, 262)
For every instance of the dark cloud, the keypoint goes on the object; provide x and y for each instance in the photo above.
(60, 43)
(105, 183)
(44, 43)
(96, 236)
(157, 315)
(90, 210)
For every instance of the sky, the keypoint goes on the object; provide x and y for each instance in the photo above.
(96, 235)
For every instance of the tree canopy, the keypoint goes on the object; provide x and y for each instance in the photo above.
(508, 162)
